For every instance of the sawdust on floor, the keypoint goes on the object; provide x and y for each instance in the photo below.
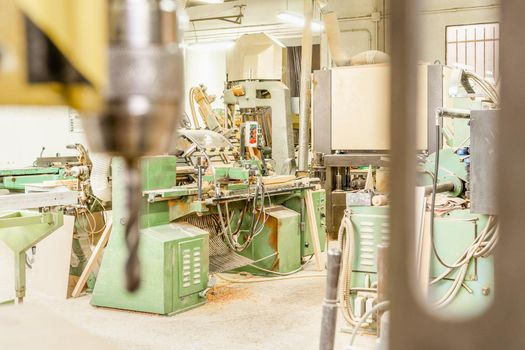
(223, 294)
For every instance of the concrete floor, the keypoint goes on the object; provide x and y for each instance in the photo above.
(284, 314)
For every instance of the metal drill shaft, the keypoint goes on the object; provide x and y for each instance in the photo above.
(143, 99)
(132, 232)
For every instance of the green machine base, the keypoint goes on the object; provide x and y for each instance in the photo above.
(174, 262)
(286, 237)
(20, 231)
(454, 233)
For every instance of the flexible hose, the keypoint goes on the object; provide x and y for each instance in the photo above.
(99, 177)
(346, 242)
(433, 198)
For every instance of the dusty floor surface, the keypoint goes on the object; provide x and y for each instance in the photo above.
(284, 314)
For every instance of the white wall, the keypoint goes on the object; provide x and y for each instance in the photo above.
(208, 68)
(25, 130)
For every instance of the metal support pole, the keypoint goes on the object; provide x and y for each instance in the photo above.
(501, 325)
(20, 276)
(306, 82)
(328, 323)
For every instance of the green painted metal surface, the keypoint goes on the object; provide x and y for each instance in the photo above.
(17, 179)
(18, 183)
(169, 284)
(296, 202)
(278, 247)
(29, 171)
(158, 172)
(174, 263)
(454, 233)
(319, 200)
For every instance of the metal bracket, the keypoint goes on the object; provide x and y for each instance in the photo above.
(235, 19)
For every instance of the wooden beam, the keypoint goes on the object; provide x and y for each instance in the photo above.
(93, 260)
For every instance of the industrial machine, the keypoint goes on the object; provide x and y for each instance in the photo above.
(458, 229)
(76, 185)
(255, 88)
(128, 96)
(206, 211)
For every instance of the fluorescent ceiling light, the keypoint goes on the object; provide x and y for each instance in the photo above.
(211, 45)
(212, 1)
(298, 20)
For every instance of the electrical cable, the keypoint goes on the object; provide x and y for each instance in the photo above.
(250, 279)
(375, 308)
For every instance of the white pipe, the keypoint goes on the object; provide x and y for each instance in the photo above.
(100, 176)
(369, 57)
(306, 82)
(364, 30)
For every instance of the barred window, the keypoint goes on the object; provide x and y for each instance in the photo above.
(476, 46)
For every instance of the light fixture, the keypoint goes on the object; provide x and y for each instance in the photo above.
(212, 1)
(298, 20)
(211, 45)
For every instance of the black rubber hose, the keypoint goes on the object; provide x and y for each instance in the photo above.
(433, 200)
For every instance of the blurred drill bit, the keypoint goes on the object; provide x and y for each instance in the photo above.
(143, 99)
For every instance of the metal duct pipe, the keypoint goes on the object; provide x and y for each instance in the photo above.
(99, 177)
(306, 82)
(328, 323)
(335, 45)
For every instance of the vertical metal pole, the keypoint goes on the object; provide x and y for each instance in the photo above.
(329, 321)
(20, 276)
(501, 326)
(382, 272)
(306, 82)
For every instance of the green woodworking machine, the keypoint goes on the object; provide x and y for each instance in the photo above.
(206, 211)
(456, 217)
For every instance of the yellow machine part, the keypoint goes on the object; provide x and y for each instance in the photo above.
(77, 28)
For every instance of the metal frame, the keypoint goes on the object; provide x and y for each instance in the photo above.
(500, 327)
(235, 19)
(337, 199)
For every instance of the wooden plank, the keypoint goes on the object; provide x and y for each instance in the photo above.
(48, 331)
(93, 260)
(314, 233)
(50, 272)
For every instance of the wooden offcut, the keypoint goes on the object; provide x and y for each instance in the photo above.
(313, 230)
(93, 260)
